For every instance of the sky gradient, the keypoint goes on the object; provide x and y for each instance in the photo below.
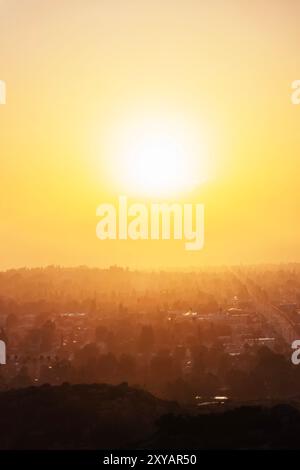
(75, 69)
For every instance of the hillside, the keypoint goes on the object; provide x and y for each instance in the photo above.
(100, 416)
(78, 416)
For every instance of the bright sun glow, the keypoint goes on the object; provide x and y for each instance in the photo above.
(158, 157)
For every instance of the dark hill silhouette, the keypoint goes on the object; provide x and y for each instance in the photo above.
(78, 416)
(101, 416)
(246, 427)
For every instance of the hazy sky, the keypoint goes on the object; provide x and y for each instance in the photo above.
(75, 69)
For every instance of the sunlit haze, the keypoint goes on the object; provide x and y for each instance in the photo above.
(156, 155)
(184, 101)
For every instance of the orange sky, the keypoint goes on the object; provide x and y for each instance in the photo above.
(75, 68)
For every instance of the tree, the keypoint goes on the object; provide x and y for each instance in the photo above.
(146, 339)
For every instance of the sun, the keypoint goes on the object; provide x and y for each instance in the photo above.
(158, 156)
